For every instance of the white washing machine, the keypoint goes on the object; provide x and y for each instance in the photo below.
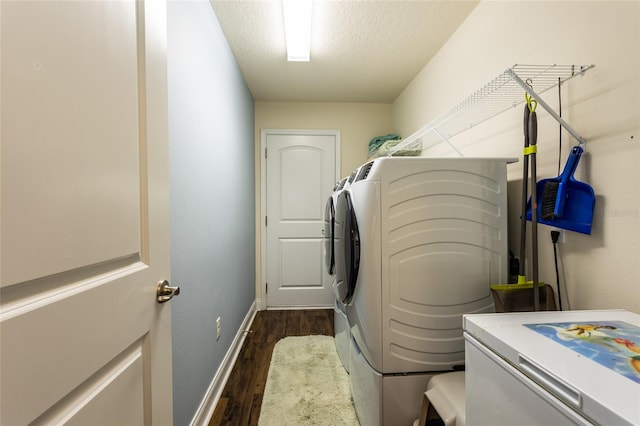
(342, 331)
(418, 243)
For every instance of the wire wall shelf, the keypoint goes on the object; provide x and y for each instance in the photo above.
(502, 93)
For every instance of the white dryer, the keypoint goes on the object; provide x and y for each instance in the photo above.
(418, 243)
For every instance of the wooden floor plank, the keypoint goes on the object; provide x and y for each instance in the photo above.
(241, 398)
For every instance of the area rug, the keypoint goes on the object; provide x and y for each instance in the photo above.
(307, 385)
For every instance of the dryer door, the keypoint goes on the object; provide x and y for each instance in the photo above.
(329, 220)
(346, 247)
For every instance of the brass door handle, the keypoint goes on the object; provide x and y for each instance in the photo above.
(165, 292)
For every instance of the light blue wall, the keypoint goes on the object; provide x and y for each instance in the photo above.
(211, 134)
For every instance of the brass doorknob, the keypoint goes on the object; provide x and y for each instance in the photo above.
(166, 292)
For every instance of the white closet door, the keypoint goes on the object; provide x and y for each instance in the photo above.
(301, 173)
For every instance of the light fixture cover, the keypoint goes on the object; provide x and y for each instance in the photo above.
(297, 29)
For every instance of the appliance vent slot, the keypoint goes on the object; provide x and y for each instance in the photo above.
(364, 171)
(353, 176)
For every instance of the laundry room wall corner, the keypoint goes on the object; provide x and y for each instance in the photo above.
(601, 105)
(211, 117)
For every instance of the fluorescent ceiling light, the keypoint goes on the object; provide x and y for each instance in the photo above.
(297, 29)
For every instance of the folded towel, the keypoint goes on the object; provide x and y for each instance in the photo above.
(376, 142)
(389, 148)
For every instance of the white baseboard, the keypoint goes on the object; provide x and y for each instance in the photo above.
(211, 398)
(296, 308)
(261, 304)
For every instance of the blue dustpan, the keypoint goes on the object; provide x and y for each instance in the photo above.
(564, 202)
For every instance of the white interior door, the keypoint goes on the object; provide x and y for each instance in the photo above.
(300, 175)
(84, 223)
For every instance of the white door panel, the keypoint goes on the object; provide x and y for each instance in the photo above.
(49, 78)
(84, 224)
(300, 175)
(299, 261)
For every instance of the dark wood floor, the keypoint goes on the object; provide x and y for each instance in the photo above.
(241, 399)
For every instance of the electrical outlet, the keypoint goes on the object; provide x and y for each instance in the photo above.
(561, 236)
(218, 328)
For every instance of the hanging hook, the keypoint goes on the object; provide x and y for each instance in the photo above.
(532, 104)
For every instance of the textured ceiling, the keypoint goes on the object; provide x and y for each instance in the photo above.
(361, 51)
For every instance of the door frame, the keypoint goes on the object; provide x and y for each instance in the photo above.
(261, 301)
